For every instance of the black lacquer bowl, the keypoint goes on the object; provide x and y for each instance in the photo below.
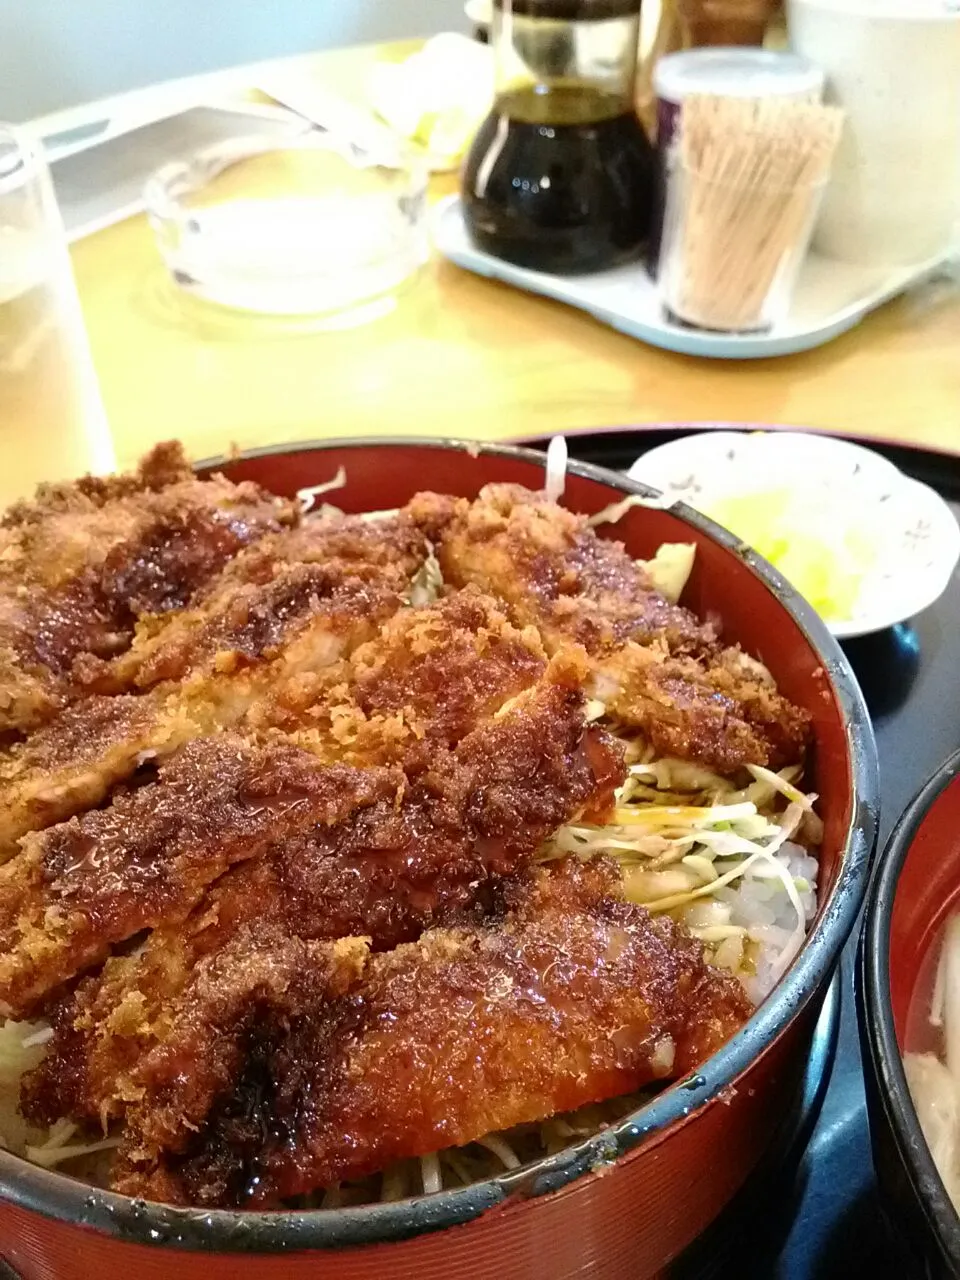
(916, 887)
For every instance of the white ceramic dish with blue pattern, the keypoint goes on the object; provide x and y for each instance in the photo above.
(841, 491)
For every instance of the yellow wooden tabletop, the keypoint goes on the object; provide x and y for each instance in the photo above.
(461, 355)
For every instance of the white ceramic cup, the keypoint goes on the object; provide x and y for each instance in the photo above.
(894, 66)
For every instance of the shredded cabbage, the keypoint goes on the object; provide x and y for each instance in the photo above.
(556, 477)
(309, 495)
(678, 858)
(426, 584)
(430, 1173)
(670, 569)
(49, 1156)
(617, 510)
(501, 1149)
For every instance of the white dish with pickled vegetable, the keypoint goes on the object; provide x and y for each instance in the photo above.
(868, 546)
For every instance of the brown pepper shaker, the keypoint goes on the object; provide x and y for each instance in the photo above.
(725, 22)
(690, 24)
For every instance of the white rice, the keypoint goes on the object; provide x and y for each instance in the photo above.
(764, 910)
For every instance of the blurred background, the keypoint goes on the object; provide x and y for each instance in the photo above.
(60, 52)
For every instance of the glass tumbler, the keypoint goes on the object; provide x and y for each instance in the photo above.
(52, 423)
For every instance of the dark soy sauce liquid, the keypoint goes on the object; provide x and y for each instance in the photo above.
(560, 178)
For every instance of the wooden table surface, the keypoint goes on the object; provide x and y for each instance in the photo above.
(461, 355)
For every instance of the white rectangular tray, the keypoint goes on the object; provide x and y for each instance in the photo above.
(831, 297)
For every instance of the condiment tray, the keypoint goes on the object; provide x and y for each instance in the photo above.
(831, 297)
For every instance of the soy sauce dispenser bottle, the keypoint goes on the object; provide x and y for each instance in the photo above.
(560, 177)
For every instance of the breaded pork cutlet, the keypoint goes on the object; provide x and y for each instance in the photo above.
(428, 678)
(655, 666)
(223, 617)
(288, 1065)
(300, 928)
(424, 850)
(553, 571)
(83, 562)
(723, 711)
(204, 668)
(147, 860)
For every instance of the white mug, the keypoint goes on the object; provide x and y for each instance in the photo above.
(894, 66)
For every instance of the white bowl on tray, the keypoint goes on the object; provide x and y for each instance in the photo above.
(850, 494)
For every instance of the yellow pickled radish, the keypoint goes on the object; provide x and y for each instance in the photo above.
(824, 556)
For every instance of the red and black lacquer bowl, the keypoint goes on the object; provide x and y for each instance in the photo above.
(917, 886)
(623, 1203)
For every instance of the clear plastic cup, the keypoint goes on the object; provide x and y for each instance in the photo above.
(52, 423)
(731, 254)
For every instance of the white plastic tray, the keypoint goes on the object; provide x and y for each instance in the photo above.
(831, 297)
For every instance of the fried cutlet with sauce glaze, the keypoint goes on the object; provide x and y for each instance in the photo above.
(82, 562)
(289, 1065)
(206, 669)
(656, 667)
(553, 571)
(722, 712)
(429, 677)
(430, 851)
(224, 618)
(78, 889)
